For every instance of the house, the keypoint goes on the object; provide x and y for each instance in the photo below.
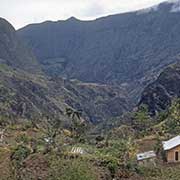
(146, 158)
(172, 149)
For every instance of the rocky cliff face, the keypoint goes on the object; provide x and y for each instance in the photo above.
(158, 95)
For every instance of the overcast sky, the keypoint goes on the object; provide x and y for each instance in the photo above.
(23, 12)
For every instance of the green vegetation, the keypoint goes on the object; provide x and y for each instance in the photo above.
(173, 120)
(47, 144)
(72, 169)
(20, 153)
(38, 140)
(142, 121)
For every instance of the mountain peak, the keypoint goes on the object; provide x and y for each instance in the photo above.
(72, 19)
(170, 6)
(175, 5)
(13, 51)
(173, 1)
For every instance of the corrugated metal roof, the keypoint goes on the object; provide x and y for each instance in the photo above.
(172, 143)
(77, 150)
(146, 155)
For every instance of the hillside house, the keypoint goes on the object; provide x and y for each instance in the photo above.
(146, 158)
(172, 149)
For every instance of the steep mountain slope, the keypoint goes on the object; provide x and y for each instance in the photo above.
(159, 94)
(13, 52)
(22, 90)
(97, 102)
(25, 95)
(26, 92)
(126, 49)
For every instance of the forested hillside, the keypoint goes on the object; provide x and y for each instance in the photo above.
(158, 95)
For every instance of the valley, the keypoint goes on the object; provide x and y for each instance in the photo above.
(83, 100)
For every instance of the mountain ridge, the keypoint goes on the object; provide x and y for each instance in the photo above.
(11, 48)
(26, 92)
(121, 54)
(109, 49)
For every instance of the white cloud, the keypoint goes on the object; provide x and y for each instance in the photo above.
(23, 12)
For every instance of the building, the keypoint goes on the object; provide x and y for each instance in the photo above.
(147, 158)
(172, 149)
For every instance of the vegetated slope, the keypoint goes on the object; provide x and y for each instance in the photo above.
(26, 92)
(25, 95)
(13, 51)
(97, 102)
(22, 93)
(125, 49)
(159, 94)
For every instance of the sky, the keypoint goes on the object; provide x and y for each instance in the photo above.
(22, 12)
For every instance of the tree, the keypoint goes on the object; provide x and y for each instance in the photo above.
(173, 120)
(78, 125)
(123, 132)
(142, 120)
(175, 110)
(51, 128)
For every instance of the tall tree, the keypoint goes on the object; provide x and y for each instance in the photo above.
(51, 129)
(142, 120)
(78, 125)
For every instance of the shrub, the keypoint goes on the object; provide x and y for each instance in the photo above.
(19, 154)
(74, 169)
(22, 138)
(148, 171)
(112, 166)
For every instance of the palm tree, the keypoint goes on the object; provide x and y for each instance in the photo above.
(78, 124)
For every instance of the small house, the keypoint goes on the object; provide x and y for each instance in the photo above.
(146, 158)
(172, 149)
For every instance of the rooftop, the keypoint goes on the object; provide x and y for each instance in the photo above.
(146, 155)
(77, 150)
(172, 143)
